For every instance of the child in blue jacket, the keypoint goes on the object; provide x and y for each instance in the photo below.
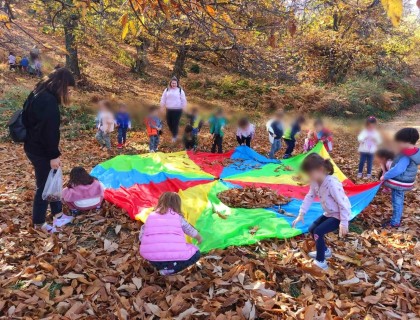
(123, 122)
(402, 175)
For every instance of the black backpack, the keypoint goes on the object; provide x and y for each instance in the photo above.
(17, 129)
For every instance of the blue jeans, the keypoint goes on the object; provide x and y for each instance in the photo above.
(122, 135)
(319, 228)
(275, 146)
(366, 157)
(397, 206)
(153, 143)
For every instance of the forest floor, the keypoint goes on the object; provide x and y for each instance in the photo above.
(92, 268)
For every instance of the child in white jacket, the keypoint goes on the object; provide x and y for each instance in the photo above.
(369, 140)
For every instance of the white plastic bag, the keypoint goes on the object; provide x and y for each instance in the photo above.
(54, 186)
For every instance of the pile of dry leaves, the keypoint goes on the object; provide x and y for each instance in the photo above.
(92, 269)
(252, 197)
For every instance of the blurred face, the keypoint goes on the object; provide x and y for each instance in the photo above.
(371, 126)
(402, 145)
(123, 109)
(174, 84)
(102, 106)
(317, 175)
(278, 116)
(319, 127)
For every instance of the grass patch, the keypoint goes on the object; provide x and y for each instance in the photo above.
(294, 290)
(18, 285)
(12, 101)
(54, 287)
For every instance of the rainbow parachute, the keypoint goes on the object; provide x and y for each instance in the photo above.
(135, 183)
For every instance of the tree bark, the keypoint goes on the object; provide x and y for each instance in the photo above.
(141, 62)
(179, 66)
(72, 59)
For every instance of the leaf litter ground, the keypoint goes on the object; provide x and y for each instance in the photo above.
(92, 269)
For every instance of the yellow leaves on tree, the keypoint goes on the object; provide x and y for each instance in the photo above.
(127, 26)
(211, 10)
(3, 17)
(394, 9)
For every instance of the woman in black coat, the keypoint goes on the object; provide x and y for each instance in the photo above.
(41, 117)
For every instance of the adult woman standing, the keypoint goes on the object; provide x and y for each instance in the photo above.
(41, 118)
(174, 100)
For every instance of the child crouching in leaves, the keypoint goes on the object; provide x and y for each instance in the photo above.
(334, 202)
(190, 139)
(245, 132)
(162, 237)
(83, 191)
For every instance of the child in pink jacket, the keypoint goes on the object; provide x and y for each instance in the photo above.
(83, 191)
(162, 237)
(335, 203)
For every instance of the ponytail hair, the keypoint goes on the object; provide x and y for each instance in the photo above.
(315, 162)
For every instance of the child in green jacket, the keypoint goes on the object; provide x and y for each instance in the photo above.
(217, 125)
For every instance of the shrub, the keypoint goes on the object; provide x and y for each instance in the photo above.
(195, 68)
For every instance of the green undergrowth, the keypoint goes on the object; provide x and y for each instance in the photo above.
(358, 97)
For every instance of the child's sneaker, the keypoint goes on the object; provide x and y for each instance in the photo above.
(287, 156)
(166, 272)
(321, 264)
(359, 175)
(45, 227)
(120, 146)
(328, 254)
(388, 224)
(369, 176)
(74, 212)
(62, 220)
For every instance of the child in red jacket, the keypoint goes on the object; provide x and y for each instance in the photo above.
(154, 128)
(319, 134)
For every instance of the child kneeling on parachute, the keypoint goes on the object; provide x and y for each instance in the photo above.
(162, 237)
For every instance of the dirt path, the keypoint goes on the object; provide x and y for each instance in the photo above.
(407, 118)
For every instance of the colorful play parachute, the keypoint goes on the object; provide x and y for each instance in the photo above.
(135, 183)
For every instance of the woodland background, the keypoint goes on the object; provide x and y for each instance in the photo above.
(344, 59)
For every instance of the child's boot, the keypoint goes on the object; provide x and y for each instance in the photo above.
(120, 146)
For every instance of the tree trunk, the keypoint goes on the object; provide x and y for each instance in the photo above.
(179, 66)
(72, 59)
(141, 58)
